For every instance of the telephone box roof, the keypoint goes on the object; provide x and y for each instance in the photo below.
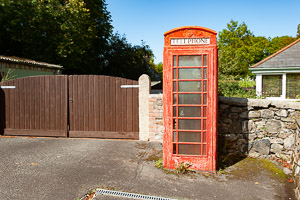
(191, 27)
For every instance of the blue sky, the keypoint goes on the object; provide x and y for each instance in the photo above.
(147, 20)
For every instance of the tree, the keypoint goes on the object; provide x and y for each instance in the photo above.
(159, 68)
(298, 31)
(278, 43)
(126, 60)
(238, 49)
(70, 33)
(76, 34)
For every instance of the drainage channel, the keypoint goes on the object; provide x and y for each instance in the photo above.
(128, 195)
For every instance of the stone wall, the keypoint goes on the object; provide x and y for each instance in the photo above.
(254, 127)
(249, 127)
(296, 161)
(156, 117)
(258, 128)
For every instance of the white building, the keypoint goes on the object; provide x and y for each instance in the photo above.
(278, 76)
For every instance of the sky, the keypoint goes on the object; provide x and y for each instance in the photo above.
(148, 20)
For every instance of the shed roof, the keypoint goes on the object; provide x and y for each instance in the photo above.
(287, 57)
(26, 61)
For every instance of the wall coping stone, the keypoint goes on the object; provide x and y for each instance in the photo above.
(263, 103)
(155, 95)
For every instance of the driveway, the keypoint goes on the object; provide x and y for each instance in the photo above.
(56, 168)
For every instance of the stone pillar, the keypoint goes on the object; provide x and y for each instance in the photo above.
(144, 91)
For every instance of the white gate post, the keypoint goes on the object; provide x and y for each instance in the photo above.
(144, 91)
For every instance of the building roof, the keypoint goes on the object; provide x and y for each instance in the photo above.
(287, 57)
(26, 61)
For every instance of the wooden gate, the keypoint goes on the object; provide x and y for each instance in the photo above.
(90, 106)
(99, 107)
(35, 107)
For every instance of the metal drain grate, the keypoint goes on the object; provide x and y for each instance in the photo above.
(129, 195)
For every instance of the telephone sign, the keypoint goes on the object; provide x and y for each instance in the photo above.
(190, 97)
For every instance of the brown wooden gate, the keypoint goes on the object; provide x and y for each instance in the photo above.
(91, 106)
(35, 107)
(99, 107)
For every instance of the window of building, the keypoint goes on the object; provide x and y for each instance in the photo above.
(293, 86)
(271, 85)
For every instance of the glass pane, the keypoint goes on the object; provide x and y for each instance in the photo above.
(272, 85)
(204, 137)
(204, 111)
(189, 99)
(174, 111)
(293, 86)
(174, 124)
(204, 124)
(205, 60)
(189, 73)
(174, 99)
(190, 149)
(204, 73)
(174, 61)
(204, 86)
(189, 137)
(189, 86)
(174, 86)
(189, 61)
(189, 124)
(174, 74)
(204, 98)
(174, 136)
(189, 111)
(204, 149)
(174, 148)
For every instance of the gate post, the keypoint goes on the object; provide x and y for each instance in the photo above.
(144, 91)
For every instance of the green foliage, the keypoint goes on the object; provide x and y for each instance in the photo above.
(244, 88)
(71, 33)
(246, 82)
(298, 31)
(239, 49)
(278, 43)
(159, 163)
(126, 60)
(76, 34)
(234, 49)
(183, 168)
(5, 76)
(159, 68)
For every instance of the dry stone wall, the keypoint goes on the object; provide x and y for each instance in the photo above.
(249, 127)
(296, 161)
(254, 127)
(258, 127)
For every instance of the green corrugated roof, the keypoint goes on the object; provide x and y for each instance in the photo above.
(26, 61)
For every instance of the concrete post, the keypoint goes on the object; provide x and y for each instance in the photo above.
(144, 91)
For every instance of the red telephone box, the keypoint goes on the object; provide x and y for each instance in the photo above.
(190, 83)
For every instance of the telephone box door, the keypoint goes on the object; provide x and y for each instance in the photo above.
(190, 103)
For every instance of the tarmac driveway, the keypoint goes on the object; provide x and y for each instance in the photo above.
(66, 169)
